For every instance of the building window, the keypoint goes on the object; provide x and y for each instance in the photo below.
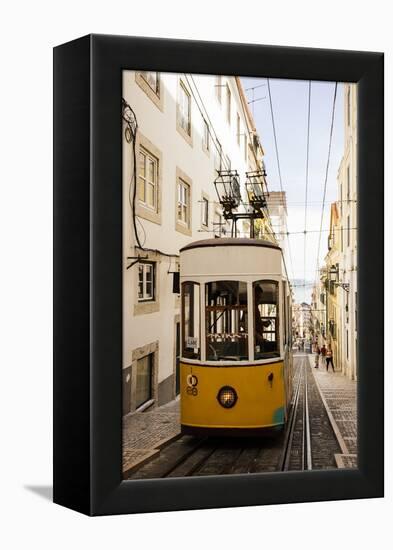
(153, 80)
(146, 281)
(191, 320)
(218, 87)
(151, 84)
(238, 129)
(245, 147)
(183, 202)
(348, 231)
(228, 103)
(206, 136)
(218, 226)
(226, 321)
(148, 179)
(266, 335)
(184, 109)
(144, 372)
(205, 211)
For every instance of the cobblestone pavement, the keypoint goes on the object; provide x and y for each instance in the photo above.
(144, 433)
(339, 395)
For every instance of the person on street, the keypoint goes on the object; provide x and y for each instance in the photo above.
(329, 359)
(323, 354)
(317, 353)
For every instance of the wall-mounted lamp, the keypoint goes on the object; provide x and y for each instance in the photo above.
(334, 278)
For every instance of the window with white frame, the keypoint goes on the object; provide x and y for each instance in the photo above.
(218, 225)
(146, 281)
(206, 136)
(238, 129)
(148, 179)
(153, 80)
(184, 109)
(205, 211)
(183, 202)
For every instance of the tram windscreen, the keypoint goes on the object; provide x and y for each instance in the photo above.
(191, 320)
(226, 321)
(266, 319)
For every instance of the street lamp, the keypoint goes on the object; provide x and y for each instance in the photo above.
(255, 182)
(228, 191)
(334, 278)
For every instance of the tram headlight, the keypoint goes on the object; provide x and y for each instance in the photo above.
(227, 397)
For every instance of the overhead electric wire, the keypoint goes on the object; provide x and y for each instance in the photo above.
(326, 174)
(278, 165)
(205, 116)
(307, 163)
(132, 188)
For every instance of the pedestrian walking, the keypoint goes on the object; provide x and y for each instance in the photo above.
(323, 354)
(317, 353)
(329, 359)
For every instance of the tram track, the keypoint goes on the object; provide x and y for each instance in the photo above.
(297, 449)
(307, 443)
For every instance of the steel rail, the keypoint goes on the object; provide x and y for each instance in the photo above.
(286, 454)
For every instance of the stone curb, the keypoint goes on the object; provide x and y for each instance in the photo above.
(149, 454)
(337, 433)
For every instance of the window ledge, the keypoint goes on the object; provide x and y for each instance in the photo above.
(183, 229)
(143, 308)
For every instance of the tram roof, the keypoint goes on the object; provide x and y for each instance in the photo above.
(226, 241)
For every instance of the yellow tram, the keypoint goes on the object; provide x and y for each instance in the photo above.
(236, 361)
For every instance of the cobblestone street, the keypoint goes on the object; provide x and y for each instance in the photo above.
(155, 435)
(339, 396)
(145, 433)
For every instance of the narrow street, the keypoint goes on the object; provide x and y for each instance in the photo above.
(320, 434)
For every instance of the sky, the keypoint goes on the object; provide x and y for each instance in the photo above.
(290, 108)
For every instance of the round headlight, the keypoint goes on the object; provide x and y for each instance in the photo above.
(227, 397)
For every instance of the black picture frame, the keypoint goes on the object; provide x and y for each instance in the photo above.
(88, 274)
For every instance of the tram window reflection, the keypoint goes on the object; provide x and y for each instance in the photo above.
(191, 320)
(226, 321)
(266, 319)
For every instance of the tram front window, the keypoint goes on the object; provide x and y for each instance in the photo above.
(265, 319)
(226, 321)
(191, 321)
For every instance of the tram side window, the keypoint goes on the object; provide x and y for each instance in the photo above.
(266, 335)
(191, 320)
(226, 321)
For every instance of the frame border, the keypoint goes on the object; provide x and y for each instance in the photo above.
(88, 274)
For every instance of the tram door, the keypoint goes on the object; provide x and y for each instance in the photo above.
(177, 358)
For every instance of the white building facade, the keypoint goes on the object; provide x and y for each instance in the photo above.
(189, 126)
(347, 191)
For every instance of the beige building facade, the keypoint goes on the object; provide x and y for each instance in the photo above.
(188, 127)
(347, 182)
